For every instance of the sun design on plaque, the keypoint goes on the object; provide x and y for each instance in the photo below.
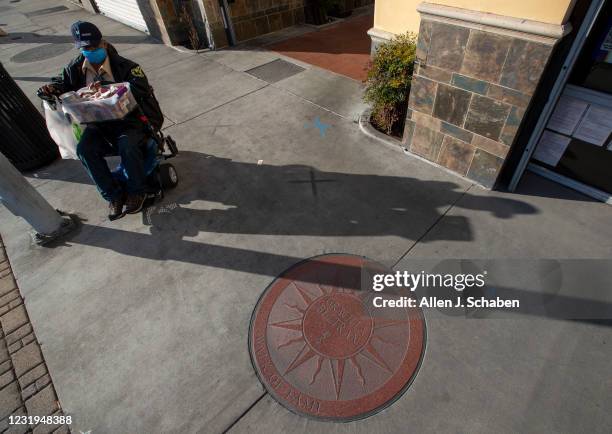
(333, 344)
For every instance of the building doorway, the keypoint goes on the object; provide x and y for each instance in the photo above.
(125, 11)
(574, 144)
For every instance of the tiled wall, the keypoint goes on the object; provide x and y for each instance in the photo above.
(469, 95)
(252, 18)
(349, 5)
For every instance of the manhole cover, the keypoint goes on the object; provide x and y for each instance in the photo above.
(322, 350)
(276, 70)
(42, 52)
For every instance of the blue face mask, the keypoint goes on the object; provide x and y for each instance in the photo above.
(96, 56)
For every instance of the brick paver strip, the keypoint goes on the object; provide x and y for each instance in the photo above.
(343, 48)
(26, 358)
(26, 388)
(14, 319)
(7, 285)
(10, 399)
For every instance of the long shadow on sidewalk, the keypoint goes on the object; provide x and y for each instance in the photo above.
(219, 195)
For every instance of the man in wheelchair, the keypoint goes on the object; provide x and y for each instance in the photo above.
(99, 64)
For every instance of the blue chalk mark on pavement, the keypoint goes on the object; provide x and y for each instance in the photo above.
(322, 127)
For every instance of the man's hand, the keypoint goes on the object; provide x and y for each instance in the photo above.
(49, 90)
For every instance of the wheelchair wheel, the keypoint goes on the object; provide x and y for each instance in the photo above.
(168, 175)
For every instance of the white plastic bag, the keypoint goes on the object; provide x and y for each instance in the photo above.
(62, 130)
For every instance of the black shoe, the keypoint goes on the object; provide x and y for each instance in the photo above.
(115, 209)
(134, 203)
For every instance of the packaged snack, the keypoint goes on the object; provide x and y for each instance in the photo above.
(99, 104)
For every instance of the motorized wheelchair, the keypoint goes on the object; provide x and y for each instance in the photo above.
(160, 175)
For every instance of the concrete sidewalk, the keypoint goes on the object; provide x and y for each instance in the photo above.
(143, 321)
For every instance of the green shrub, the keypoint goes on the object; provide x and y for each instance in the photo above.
(389, 79)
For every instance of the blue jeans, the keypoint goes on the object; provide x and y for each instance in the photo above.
(98, 142)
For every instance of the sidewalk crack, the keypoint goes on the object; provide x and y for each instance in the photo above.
(434, 224)
(244, 413)
(216, 107)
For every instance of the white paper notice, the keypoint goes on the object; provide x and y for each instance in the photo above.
(596, 125)
(551, 147)
(567, 114)
(607, 43)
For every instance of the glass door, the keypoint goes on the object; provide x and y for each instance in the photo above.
(577, 141)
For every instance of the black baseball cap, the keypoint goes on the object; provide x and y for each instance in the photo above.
(85, 34)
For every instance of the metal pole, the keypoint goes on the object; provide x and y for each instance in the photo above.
(227, 22)
(25, 201)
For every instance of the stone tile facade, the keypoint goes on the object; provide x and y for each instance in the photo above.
(252, 18)
(25, 384)
(470, 91)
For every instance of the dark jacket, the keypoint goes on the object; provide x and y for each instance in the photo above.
(72, 78)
